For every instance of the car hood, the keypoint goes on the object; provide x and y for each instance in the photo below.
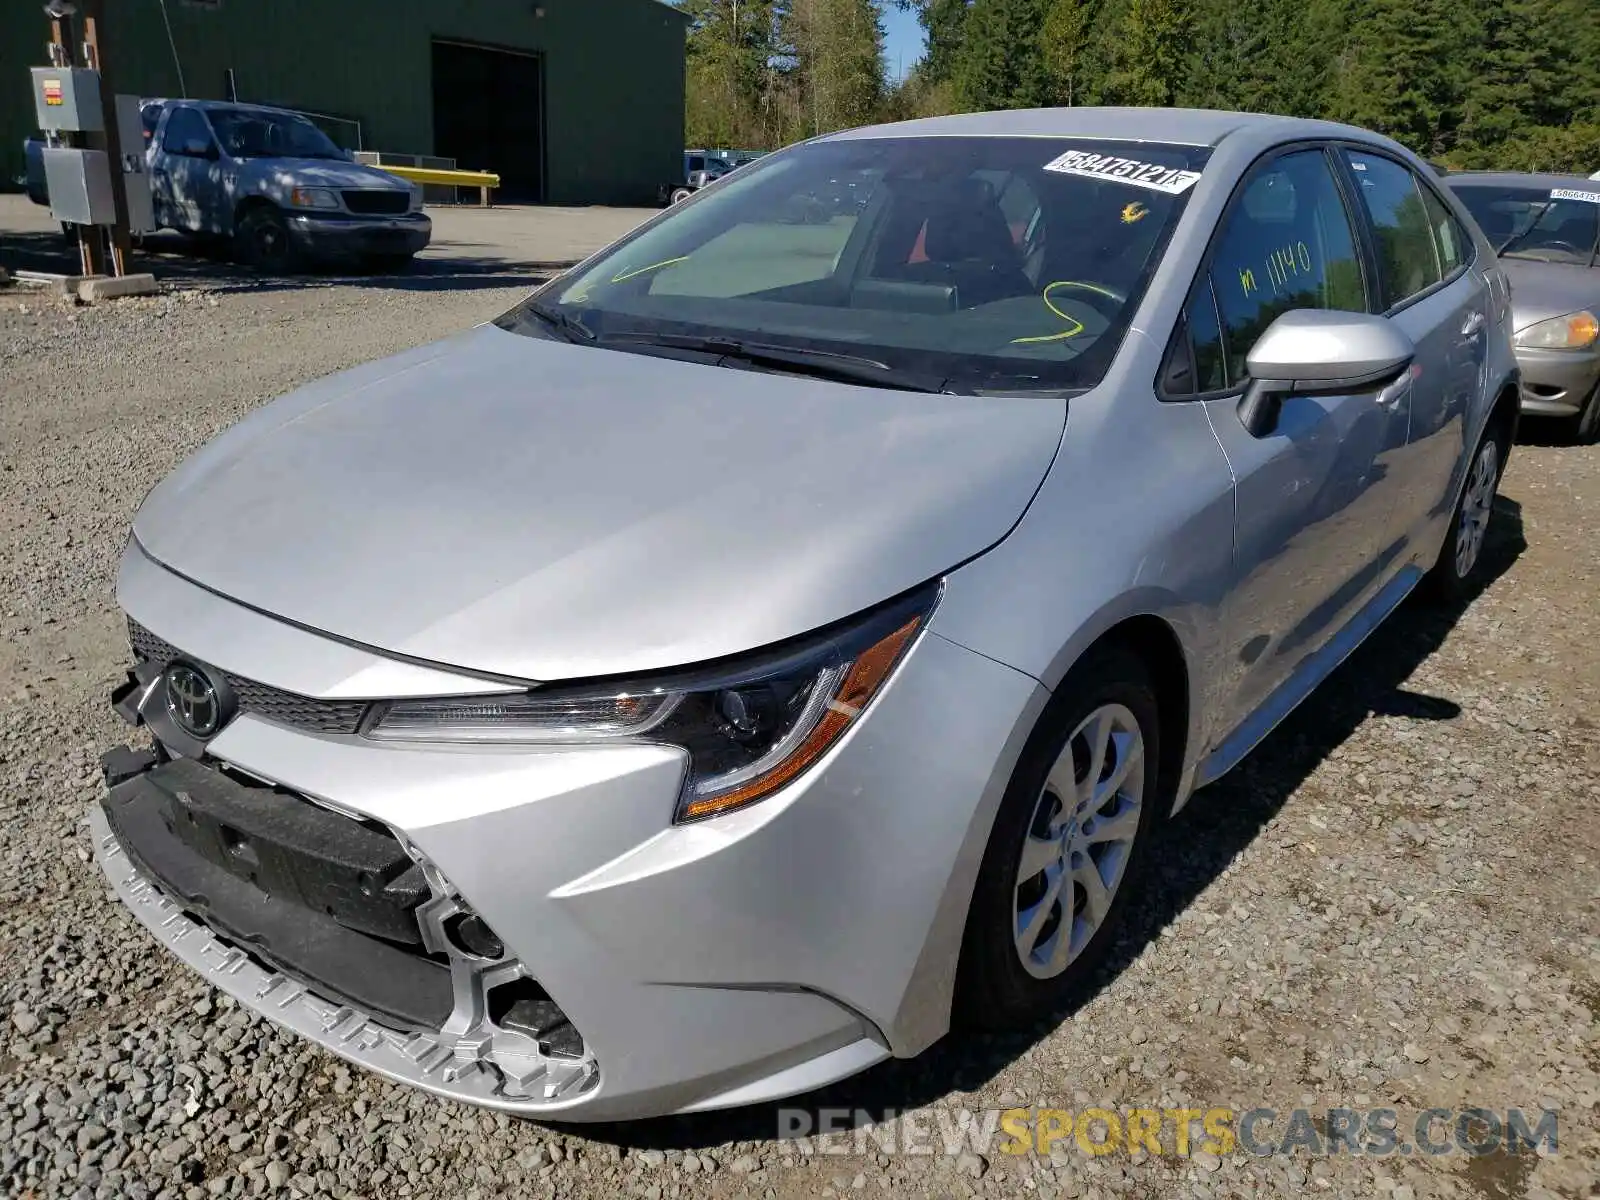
(1540, 290)
(327, 172)
(528, 508)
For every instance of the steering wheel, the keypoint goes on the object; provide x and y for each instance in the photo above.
(1567, 246)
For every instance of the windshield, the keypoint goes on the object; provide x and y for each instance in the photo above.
(1550, 224)
(250, 133)
(982, 263)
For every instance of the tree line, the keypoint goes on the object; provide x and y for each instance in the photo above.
(1513, 84)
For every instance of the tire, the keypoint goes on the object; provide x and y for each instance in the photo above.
(1460, 558)
(1585, 428)
(995, 989)
(679, 195)
(261, 240)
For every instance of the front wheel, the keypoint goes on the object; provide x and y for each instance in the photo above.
(1586, 425)
(1067, 844)
(262, 240)
(1459, 558)
(679, 195)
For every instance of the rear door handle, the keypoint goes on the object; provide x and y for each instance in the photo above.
(1473, 323)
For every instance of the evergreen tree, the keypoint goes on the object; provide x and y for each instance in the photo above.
(1488, 83)
(999, 63)
(1410, 71)
(1150, 54)
(1519, 69)
(1061, 42)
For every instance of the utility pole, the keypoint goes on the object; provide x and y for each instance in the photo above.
(111, 139)
(64, 53)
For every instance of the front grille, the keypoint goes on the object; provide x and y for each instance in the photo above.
(386, 203)
(261, 699)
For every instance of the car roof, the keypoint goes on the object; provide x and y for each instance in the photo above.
(220, 105)
(1519, 179)
(1182, 126)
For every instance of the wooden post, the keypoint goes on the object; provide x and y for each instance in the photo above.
(64, 53)
(111, 138)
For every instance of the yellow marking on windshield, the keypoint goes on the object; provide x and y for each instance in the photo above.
(637, 271)
(1077, 325)
(1134, 211)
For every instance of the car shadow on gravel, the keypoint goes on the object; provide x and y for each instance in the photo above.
(1192, 850)
(175, 261)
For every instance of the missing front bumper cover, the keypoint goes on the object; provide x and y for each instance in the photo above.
(461, 1025)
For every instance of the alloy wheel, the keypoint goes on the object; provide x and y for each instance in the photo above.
(1476, 504)
(1079, 841)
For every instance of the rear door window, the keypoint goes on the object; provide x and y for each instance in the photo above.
(1408, 255)
(1448, 235)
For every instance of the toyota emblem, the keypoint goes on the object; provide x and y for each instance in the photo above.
(192, 701)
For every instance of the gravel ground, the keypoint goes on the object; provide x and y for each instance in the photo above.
(1393, 903)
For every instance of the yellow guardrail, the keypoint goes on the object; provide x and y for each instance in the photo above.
(484, 181)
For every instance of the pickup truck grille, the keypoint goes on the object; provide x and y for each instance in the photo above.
(387, 202)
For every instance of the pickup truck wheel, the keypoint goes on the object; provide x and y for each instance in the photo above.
(679, 195)
(262, 240)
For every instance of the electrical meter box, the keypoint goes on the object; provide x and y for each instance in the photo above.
(67, 100)
(79, 182)
(135, 177)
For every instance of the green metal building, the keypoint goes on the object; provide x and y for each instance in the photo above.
(571, 101)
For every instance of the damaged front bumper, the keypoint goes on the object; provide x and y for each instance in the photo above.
(537, 935)
(333, 928)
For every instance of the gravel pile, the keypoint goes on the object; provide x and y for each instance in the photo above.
(1393, 903)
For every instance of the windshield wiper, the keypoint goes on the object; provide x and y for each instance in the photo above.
(570, 328)
(823, 364)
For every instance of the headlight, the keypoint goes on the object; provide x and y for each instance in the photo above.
(1577, 331)
(748, 729)
(309, 197)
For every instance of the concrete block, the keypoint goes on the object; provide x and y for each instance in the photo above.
(65, 287)
(101, 288)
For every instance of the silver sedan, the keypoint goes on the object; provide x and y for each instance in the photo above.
(776, 640)
(1546, 229)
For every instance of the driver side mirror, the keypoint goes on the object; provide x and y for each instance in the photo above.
(1312, 351)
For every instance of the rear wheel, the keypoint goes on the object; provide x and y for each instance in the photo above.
(262, 239)
(1065, 853)
(1462, 552)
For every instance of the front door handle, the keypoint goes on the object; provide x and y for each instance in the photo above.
(1391, 394)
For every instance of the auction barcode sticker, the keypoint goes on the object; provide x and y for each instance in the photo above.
(1124, 170)
(1574, 194)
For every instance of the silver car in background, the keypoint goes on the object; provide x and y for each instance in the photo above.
(1546, 229)
(775, 641)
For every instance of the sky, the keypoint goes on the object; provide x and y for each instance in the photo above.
(902, 41)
